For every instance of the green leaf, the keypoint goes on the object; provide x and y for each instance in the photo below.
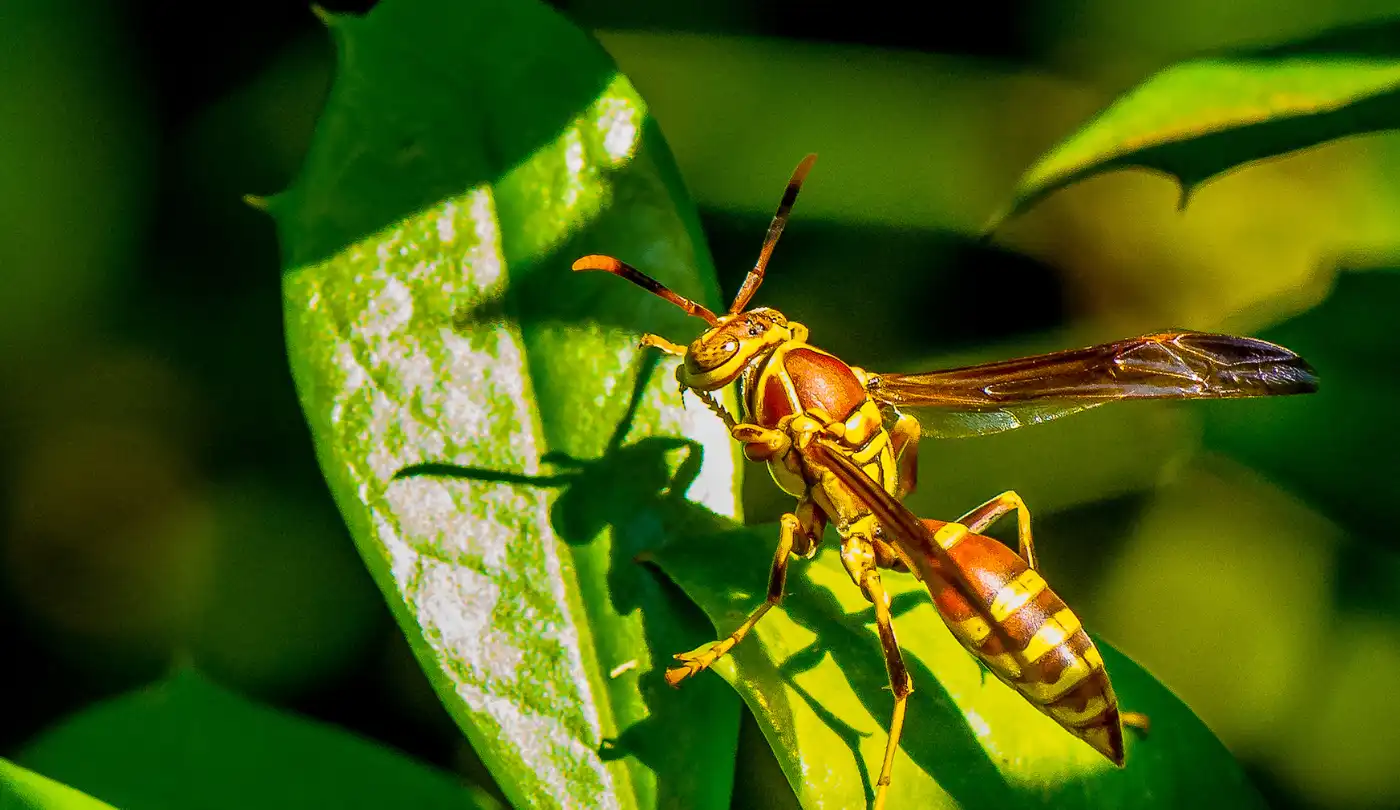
(188, 743)
(1203, 117)
(22, 789)
(485, 420)
(813, 674)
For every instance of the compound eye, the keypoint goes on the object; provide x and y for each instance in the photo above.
(707, 356)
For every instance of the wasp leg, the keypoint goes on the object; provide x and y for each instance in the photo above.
(663, 344)
(1136, 720)
(708, 399)
(806, 426)
(813, 522)
(904, 441)
(760, 443)
(695, 661)
(858, 556)
(985, 515)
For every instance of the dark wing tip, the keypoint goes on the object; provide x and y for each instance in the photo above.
(1295, 377)
(1251, 366)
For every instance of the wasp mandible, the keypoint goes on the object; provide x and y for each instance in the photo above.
(835, 438)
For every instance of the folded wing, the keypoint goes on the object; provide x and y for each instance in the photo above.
(1008, 394)
(930, 560)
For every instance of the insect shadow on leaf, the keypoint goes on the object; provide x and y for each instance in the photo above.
(632, 490)
(941, 743)
(537, 296)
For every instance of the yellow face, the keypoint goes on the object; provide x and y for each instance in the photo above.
(719, 356)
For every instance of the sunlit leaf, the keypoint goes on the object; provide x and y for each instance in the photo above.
(188, 743)
(482, 414)
(813, 674)
(22, 789)
(1200, 118)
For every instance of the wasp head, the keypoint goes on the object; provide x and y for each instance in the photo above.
(724, 351)
(737, 339)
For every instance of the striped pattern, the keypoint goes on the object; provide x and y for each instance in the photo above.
(1015, 594)
(1052, 662)
(950, 535)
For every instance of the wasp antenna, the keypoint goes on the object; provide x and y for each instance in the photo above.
(775, 229)
(619, 268)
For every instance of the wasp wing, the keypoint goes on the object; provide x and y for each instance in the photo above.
(903, 528)
(1008, 394)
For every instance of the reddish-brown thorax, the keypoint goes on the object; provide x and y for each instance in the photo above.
(818, 380)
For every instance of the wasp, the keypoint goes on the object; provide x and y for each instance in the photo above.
(837, 439)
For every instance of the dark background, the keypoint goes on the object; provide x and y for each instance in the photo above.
(162, 503)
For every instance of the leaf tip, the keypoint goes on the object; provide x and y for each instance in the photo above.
(994, 222)
(1183, 199)
(270, 204)
(327, 19)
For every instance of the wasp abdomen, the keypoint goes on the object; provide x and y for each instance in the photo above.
(1041, 649)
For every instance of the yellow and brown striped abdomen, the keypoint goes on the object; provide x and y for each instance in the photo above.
(1052, 662)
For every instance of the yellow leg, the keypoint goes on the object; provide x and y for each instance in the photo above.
(696, 661)
(802, 428)
(858, 556)
(1136, 720)
(985, 515)
(760, 443)
(813, 523)
(659, 342)
(904, 441)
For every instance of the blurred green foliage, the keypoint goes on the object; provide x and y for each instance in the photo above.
(216, 749)
(163, 505)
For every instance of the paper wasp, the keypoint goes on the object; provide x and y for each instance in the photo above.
(834, 437)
